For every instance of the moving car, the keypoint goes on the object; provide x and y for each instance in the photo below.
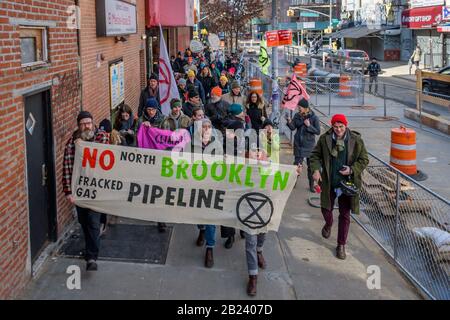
(441, 87)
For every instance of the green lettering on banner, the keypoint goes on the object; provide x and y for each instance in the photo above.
(181, 169)
(166, 167)
(204, 172)
(214, 171)
(234, 173)
(248, 177)
(281, 181)
(263, 182)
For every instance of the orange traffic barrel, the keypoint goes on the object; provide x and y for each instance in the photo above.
(403, 150)
(344, 88)
(300, 70)
(255, 85)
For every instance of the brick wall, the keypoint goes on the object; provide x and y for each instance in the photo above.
(96, 92)
(62, 45)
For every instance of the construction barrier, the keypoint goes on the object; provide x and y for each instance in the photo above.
(344, 88)
(255, 85)
(300, 70)
(403, 150)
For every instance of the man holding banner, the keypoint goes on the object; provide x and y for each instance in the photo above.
(88, 218)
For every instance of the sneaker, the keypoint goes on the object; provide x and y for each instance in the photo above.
(91, 265)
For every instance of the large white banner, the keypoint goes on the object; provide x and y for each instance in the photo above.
(155, 185)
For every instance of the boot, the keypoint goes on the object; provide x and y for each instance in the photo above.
(261, 261)
(326, 232)
(162, 227)
(340, 252)
(201, 238)
(209, 259)
(242, 234)
(251, 286)
(229, 242)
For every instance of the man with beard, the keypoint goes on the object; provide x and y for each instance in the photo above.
(193, 101)
(151, 91)
(217, 109)
(90, 220)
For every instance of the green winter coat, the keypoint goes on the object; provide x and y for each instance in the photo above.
(321, 160)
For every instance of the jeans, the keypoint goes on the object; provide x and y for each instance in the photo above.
(253, 244)
(90, 223)
(344, 203)
(310, 173)
(373, 79)
(210, 234)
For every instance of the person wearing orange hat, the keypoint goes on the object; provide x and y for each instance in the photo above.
(339, 158)
(217, 109)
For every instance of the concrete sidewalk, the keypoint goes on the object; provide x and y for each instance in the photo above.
(301, 265)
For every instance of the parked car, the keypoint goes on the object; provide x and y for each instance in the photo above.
(441, 87)
(358, 58)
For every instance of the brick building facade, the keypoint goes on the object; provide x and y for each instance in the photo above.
(39, 88)
(49, 70)
(97, 53)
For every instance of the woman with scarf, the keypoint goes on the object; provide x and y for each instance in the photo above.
(207, 82)
(126, 125)
(256, 110)
(152, 116)
(224, 85)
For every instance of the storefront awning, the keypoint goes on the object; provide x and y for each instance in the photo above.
(357, 32)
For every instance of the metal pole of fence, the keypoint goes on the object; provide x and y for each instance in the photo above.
(384, 96)
(329, 99)
(316, 90)
(420, 109)
(397, 204)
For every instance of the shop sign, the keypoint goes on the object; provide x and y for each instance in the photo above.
(426, 3)
(115, 18)
(422, 18)
(444, 28)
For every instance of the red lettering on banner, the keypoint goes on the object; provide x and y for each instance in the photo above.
(87, 156)
(110, 154)
(91, 158)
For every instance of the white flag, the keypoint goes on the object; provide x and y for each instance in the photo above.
(167, 84)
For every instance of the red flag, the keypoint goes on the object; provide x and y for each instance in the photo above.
(294, 93)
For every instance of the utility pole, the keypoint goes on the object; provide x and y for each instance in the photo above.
(331, 21)
(275, 96)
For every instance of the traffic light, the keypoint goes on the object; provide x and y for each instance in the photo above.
(290, 13)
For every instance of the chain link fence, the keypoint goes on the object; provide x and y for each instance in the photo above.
(410, 222)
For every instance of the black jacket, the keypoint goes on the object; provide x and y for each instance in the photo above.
(145, 94)
(208, 83)
(374, 69)
(217, 113)
(304, 139)
(188, 108)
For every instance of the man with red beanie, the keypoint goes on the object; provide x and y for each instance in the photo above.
(217, 109)
(338, 157)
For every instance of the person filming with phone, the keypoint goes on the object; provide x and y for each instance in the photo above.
(337, 162)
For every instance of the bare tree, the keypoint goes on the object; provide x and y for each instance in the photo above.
(230, 16)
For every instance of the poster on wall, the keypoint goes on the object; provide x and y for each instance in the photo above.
(117, 83)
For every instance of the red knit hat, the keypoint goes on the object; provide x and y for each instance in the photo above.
(339, 118)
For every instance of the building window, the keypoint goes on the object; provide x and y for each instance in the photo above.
(33, 45)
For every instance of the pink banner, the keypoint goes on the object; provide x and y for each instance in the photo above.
(294, 93)
(154, 138)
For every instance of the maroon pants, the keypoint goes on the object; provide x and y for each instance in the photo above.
(344, 203)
